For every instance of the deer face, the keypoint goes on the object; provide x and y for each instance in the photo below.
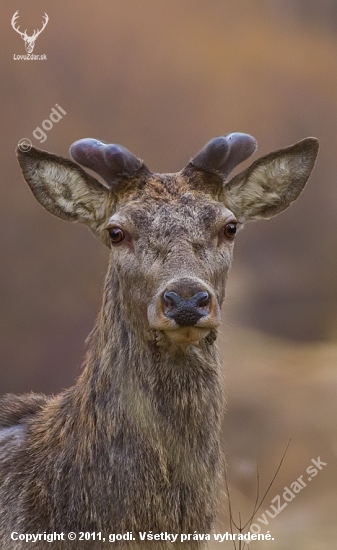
(171, 236)
(29, 44)
(171, 248)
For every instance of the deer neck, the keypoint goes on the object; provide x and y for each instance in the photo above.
(127, 371)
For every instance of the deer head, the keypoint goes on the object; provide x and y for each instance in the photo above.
(171, 235)
(29, 40)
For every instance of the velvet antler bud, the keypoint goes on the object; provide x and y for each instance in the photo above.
(223, 153)
(110, 161)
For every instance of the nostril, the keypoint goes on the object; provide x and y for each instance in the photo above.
(171, 301)
(201, 300)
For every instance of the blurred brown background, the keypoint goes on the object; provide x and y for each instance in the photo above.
(162, 78)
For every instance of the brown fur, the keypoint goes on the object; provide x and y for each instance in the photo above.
(134, 445)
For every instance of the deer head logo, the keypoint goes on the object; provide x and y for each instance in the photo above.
(29, 40)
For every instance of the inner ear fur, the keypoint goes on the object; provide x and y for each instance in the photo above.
(63, 187)
(271, 183)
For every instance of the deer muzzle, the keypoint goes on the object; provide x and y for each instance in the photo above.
(185, 310)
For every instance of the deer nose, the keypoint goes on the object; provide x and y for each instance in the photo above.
(186, 312)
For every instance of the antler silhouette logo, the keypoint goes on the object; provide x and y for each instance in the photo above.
(29, 40)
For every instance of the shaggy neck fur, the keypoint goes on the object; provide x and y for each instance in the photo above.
(165, 392)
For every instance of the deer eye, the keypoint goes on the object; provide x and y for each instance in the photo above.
(230, 230)
(116, 235)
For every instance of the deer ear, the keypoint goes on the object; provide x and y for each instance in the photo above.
(272, 182)
(64, 188)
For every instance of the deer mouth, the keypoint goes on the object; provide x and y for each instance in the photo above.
(187, 335)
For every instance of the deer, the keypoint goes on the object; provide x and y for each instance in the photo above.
(133, 448)
(29, 40)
